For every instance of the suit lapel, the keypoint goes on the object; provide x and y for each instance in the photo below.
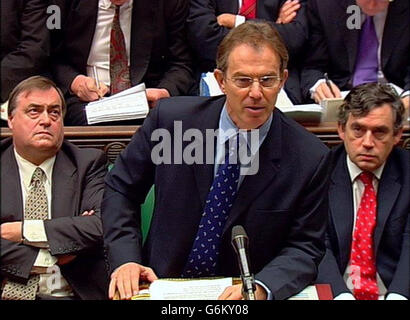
(64, 193)
(350, 37)
(253, 185)
(341, 207)
(204, 173)
(142, 31)
(396, 21)
(388, 191)
(13, 208)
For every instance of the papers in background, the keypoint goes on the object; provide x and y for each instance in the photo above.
(4, 106)
(311, 113)
(125, 105)
(330, 108)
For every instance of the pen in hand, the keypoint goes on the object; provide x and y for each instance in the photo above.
(329, 84)
(97, 81)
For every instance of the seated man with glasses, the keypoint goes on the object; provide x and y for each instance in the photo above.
(280, 199)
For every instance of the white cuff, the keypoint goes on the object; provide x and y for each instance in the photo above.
(269, 296)
(313, 89)
(239, 20)
(345, 296)
(34, 232)
(44, 259)
(395, 296)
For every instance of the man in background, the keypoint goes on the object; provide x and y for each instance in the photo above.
(354, 47)
(128, 42)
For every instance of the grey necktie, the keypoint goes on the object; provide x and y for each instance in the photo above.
(36, 208)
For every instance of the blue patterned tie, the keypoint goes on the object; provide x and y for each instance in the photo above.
(203, 259)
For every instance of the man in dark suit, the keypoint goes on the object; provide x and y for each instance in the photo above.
(155, 45)
(54, 249)
(370, 124)
(281, 201)
(209, 22)
(335, 41)
(24, 42)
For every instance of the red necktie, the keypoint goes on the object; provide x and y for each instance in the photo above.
(119, 71)
(362, 255)
(248, 9)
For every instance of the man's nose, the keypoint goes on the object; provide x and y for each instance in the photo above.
(255, 90)
(368, 139)
(45, 118)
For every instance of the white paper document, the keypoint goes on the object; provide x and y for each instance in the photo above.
(309, 293)
(203, 289)
(125, 105)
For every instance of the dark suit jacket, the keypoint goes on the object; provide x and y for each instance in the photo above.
(24, 42)
(332, 47)
(205, 33)
(77, 186)
(160, 56)
(392, 233)
(282, 208)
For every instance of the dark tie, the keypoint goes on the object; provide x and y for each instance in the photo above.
(248, 9)
(203, 259)
(36, 208)
(362, 257)
(366, 61)
(119, 71)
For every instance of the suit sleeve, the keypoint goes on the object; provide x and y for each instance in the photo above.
(204, 32)
(30, 56)
(401, 280)
(316, 58)
(329, 272)
(126, 187)
(295, 33)
(295, 266)
(178, 78)
(17, 260)
(73, 235)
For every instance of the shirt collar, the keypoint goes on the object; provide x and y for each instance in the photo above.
(27, 168)
(227, 129)
(355, 171)
(106, 4)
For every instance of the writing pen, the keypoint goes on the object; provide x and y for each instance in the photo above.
(97, 81)
(329, 84)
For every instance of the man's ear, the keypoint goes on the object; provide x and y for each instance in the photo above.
(341, 131)
(219, 76)
(10, 122)
(397, 136)
(284, 77)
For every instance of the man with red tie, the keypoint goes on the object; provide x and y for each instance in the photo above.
(209, 21)
(126, 42)
(368, 238)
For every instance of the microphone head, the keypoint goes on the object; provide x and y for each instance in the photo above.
(238, 231)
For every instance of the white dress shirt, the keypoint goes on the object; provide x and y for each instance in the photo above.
(99, 55)
(51, 284)
(358, 189)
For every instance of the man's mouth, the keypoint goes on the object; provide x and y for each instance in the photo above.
(255, 109)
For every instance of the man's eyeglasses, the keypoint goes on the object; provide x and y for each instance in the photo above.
(265, 81)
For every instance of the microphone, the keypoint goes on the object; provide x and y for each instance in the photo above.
(240, 241)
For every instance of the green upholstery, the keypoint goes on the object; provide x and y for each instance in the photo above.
(147, 208)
